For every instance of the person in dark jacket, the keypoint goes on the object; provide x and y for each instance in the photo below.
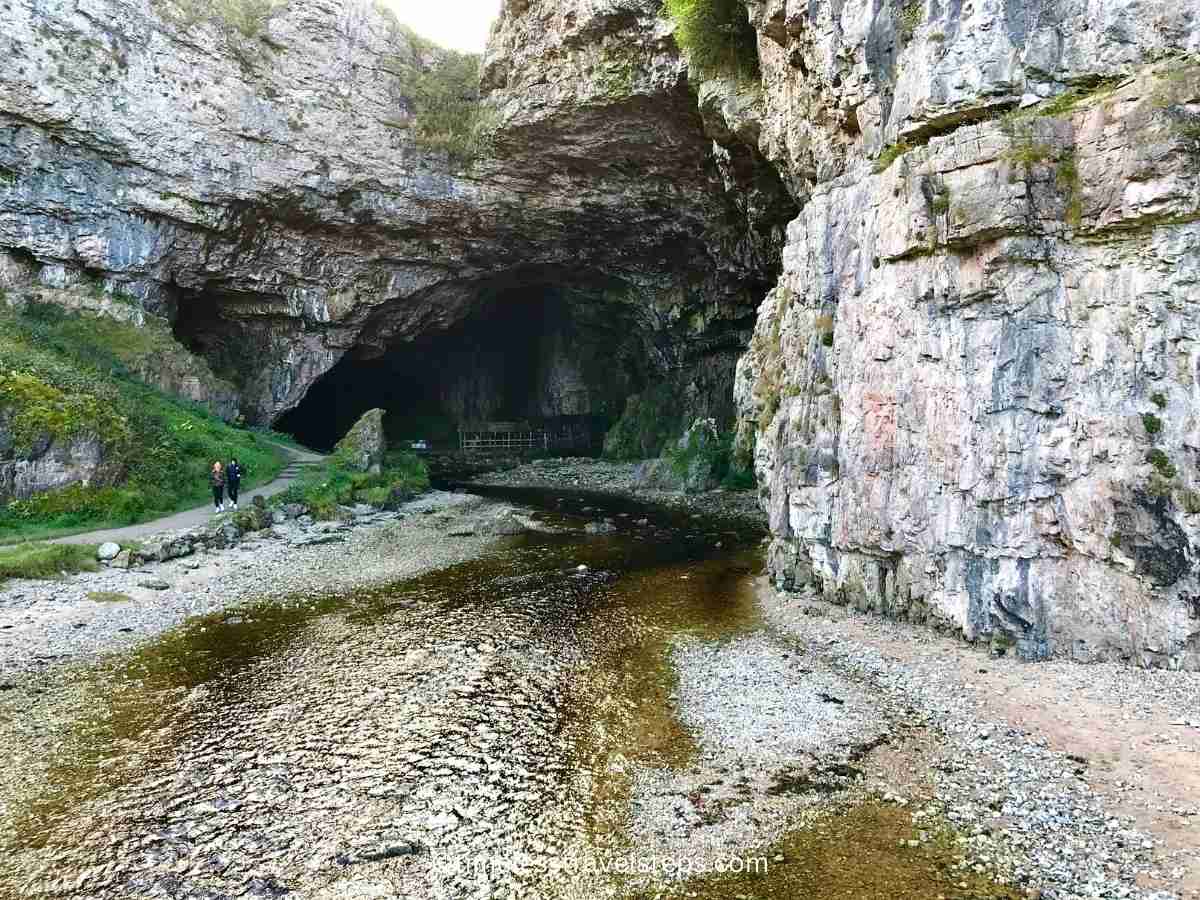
(233, 480)
(216, 478)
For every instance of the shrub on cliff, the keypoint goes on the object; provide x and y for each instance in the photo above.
(442, 90)
(703, 458)
(247, 17)
(450, 114)
(716, 36)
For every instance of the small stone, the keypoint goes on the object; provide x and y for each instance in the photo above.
(154, 584)
(108, 551)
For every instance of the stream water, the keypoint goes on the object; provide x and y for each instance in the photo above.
(473, 732)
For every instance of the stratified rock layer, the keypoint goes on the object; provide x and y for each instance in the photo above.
(973, 392)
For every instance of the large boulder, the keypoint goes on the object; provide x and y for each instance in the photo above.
(363, 446)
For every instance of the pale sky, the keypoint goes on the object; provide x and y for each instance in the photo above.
(458, 24)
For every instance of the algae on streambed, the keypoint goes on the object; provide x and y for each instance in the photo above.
(864, 852)
(130, 718)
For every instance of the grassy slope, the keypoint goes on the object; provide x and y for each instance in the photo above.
(67, 375)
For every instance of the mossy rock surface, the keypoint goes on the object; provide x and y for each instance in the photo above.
(363, 447)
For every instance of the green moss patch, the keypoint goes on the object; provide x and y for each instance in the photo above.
(337, 484)
(109, 597)
(870, 852)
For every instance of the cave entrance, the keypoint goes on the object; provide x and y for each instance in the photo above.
(530, 355)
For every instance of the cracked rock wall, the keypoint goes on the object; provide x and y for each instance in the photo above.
(972, 396)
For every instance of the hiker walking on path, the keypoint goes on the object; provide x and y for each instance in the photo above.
(217, 479)
(233, 480)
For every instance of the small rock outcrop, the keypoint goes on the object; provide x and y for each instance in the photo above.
(45, 460)
(364, 445)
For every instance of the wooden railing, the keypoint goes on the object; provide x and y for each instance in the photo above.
(522, 436)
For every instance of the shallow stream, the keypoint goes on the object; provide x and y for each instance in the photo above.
(476, 731)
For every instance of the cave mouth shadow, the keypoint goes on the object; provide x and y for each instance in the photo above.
(530, 355)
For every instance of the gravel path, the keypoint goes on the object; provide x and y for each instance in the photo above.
(299, 460)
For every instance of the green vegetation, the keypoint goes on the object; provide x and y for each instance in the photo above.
(616, 75)
(247, 17)
(1067, 179)
(871, 850)
(65, 378)
(713, 452)
(108, 597)
(716, 36)
(890, 154)
(1152, 423)
(651, 419)
(337, 483)
(1062, 104)
(1190, 501)
(1027, 152)
(910, 16)
(446, 101)
(46, 560)
(1162, 463)
(1159, 400)
(941, 200)
(444, 96)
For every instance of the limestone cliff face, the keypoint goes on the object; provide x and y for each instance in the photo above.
(268, 192)
(973, 393)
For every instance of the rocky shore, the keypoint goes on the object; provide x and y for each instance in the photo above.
(628, 480)
(173, 576)
(1050, 780)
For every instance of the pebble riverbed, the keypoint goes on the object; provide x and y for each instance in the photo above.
(427, 709)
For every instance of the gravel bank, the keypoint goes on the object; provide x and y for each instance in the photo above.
(1074, 781)
(48, 623)
(621, 480)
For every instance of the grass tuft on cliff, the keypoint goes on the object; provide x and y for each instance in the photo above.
(247, 17)
(64, 378)
(650, 421)
(716, 36)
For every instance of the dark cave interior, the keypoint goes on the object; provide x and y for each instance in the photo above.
(531, 355)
